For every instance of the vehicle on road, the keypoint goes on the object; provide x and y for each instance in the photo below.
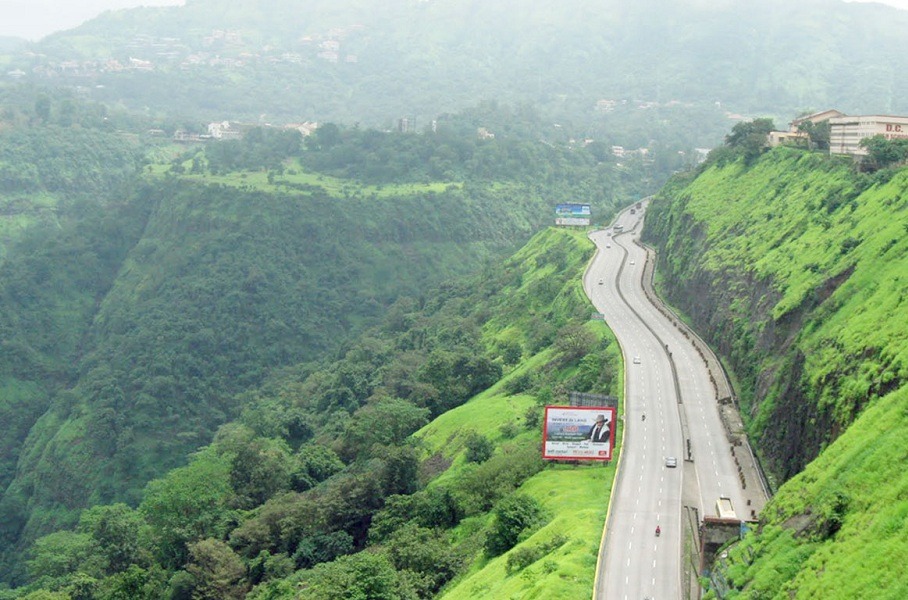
(671, 462)
(725, 509)
(636, 360)
(601, 282)
(633, 262)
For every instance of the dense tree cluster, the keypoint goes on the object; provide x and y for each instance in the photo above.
(147, 316)
(319, 487)
(882, 152)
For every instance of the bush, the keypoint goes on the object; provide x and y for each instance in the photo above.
(520, 383)
(509, 430)
(427, 553)
(480, 488)
(513, 515)
(479, 448)
(533, 417)
(511, 352)
(522, 558)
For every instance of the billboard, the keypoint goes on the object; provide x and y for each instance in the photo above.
(572, 214)
(578, 433)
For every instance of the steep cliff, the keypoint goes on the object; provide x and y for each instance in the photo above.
(795, 269)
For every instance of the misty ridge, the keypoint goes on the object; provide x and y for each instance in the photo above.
(356, 62)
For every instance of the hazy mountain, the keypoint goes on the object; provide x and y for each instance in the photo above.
(364, 61)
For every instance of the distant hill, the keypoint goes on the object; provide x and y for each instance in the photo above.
(683, 66)
(11, 44)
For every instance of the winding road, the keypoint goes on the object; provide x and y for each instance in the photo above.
(667, 381)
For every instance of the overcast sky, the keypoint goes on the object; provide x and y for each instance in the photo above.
(33, 19)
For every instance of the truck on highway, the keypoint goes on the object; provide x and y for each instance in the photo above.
(725, 509)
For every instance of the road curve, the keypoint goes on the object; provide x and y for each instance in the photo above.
(667, 381)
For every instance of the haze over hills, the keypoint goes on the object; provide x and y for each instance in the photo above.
(193, 334)
(358, 61)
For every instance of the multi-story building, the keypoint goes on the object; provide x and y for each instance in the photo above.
(846, 132)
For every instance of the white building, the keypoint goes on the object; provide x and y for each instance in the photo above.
(223, 131)
(846, 132)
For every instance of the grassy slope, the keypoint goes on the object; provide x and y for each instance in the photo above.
(576, 498)
(799, 221)
(859, 484)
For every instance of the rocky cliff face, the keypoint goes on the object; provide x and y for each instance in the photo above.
(710, 271)
(731, 308)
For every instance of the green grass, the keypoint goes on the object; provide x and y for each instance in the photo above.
(484, 415)
(295, 176)
(864, 471)
(784, 233)
(577, 499)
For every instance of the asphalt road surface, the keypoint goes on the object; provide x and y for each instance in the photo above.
(635, 563)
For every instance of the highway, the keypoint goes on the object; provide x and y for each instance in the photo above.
(679, 404)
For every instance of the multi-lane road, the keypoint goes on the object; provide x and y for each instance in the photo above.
(669, 399)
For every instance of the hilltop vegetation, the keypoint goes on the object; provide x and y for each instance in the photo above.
(794, 265)
(409, 463)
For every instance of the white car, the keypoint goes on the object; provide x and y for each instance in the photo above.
(601, 282)
(633, 262)
(608, 245)
(636, 360)
(671, 462)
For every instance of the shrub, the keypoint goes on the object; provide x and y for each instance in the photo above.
(522, 558)
(513, 515)
(479, 448)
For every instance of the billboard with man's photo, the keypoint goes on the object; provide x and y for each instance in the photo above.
(572, 214)
(578, 433)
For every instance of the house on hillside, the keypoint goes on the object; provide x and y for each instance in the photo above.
(815, 118)
(223, 131)
(778, 138)
(306, 128)
(794, 135)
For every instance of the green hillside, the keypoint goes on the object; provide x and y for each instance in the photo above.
(409, 467)
(146, 288)
(795, 268)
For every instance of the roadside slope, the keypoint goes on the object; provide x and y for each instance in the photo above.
(794, 268)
